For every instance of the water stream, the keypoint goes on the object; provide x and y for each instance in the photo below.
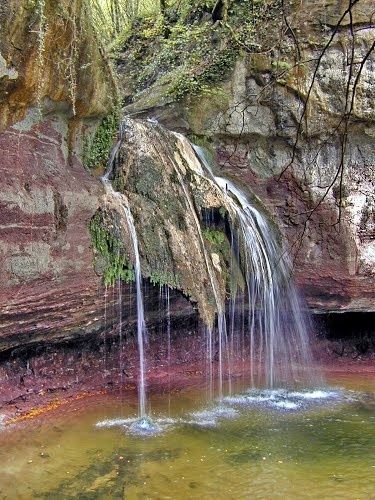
(141, 324)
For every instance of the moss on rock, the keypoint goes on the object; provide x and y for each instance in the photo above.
(97, 146)
(111, 258)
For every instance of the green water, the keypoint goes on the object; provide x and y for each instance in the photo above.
(323, 448)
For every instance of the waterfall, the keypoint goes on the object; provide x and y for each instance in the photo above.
(220, 306)
(264, 325)
(277, 329)
(141, 324)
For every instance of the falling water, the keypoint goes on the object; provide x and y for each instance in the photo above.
(168, 318)
(220, 307)
(141, 325)
(265, 323)
(277, 330)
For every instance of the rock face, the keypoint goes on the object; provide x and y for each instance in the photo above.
(55, 85)
(160, 177)
(48, 282)
(312, 164)
(49, 288)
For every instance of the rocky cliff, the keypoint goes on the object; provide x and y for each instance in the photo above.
(293, 120)
(285, 103)
(282, 94)
(54, 84)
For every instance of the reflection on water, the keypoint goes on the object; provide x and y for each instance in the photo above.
(255, 444)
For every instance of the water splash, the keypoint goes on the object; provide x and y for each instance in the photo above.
(265, 318)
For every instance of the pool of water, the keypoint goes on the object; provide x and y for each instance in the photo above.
(316, 443)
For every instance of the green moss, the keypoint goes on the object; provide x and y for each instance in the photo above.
(164, 278)
(148, 179)
(200, 81)
(186, 46)
(223, 212)
(118, 182)
(96, 148)
(215, 237)
(115, 263)
(281, 65)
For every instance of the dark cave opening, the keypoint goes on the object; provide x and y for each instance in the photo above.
(351, 328)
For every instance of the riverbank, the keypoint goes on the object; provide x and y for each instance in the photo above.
(64, 377)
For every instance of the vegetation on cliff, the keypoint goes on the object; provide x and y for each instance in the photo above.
(110, 256)
(190, 46)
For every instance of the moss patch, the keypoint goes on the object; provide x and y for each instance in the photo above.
(163, 278)
(215, 237)
(96, 147)
(111, 257)
(185, 53)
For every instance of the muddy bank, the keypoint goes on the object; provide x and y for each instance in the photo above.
(58, 376)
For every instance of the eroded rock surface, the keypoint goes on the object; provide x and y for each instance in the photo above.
(49, 289)
(313, 165)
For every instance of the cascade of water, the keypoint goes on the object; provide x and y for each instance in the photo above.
(105, 327)
(220, 306)
(141, 325)
(209, 360)
(267, 306)
(168, 318)
(119, 284)
(277, 329)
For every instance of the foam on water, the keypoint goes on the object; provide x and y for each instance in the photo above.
(233, 407)
(145, 426)
(283, 399)
(317, 394)
(210, 417)
(114, 422)
(286, 405)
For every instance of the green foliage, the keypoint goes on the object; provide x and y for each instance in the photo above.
(118, 182)
(223, 212)
(281, 65)
(164, 278)
(184, 52)
(199, 81)
(111, 250)
(96, 148)
(113, 18)
(216, 237)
